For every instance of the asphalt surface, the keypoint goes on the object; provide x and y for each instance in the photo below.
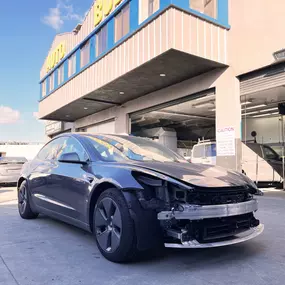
(44, 251)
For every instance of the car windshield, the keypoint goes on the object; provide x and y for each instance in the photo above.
(12, 160)
(119, 148)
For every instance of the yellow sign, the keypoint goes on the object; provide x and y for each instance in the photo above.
(104, 8)
(55, 56)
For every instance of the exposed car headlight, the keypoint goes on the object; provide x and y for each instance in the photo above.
(160, 191)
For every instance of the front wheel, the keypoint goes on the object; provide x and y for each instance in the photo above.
(24, 206)
(113, 227)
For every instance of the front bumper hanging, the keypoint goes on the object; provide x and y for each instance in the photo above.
(244, 236)
(196, 212)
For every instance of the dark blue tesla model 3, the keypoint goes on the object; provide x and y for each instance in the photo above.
(134, 194)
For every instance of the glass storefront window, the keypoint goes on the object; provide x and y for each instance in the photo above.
(85, 54)
(207, 7)
(147, 8)
(51, 82)
(122, 23)
(44, 88)
(60, 74)
(101, 40)
(72, 65)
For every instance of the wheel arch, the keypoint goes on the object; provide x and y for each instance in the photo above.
(20, 181)
(94, 197)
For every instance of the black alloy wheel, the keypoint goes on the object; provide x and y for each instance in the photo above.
(108, 221)
(114, 228)
(22, 199)
(24, 206)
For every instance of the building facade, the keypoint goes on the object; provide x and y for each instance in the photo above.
(173, 70)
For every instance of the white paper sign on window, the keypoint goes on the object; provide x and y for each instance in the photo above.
(226, 141)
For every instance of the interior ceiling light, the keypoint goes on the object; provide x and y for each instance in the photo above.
(260, 111)
(67, 116)
(122, 92)
(162, 74)
(250, 113)
(245, 103)
(85, 108)
(253, 107)
(263, 115)
(270, 109)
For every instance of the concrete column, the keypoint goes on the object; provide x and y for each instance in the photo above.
(122, 121)
(228, 114)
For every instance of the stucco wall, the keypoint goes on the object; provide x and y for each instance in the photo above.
(257, 30)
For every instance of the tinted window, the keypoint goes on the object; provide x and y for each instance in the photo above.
(50, 150)
(116, 148)
(106, 150)
(71, 145)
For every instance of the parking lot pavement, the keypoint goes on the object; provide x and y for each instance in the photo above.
(8, 194)
(44, 251)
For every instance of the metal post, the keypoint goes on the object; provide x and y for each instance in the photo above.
(282, 135)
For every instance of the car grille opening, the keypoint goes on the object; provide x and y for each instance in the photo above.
(220, 228)
(219, 196)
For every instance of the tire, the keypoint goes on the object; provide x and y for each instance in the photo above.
(24, 206)
(114, 228)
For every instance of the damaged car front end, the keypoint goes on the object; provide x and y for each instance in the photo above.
(204, 214)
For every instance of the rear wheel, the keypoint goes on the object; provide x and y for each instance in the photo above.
(113, 227)
(24, 206)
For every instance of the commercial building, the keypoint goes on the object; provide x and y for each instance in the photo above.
(173, 70)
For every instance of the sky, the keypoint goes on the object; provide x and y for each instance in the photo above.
(27, 31)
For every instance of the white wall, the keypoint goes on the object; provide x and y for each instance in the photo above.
(27, 151)
(268, 129)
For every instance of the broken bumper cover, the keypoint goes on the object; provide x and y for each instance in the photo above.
(196, 212)
(244, 236)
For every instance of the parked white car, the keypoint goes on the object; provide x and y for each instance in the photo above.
(259, 162)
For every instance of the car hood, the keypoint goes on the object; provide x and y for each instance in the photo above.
(198, 174)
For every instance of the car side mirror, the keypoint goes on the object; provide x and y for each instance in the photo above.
(71, 157)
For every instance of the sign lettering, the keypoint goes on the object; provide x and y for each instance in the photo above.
(55, 56)
(103, 8)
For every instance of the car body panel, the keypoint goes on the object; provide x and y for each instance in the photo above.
(64, 190)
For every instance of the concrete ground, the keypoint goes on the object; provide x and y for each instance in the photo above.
(47, 252)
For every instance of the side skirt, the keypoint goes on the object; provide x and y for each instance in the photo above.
(64, 218)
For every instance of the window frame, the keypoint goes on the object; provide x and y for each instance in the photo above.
(85, 49)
